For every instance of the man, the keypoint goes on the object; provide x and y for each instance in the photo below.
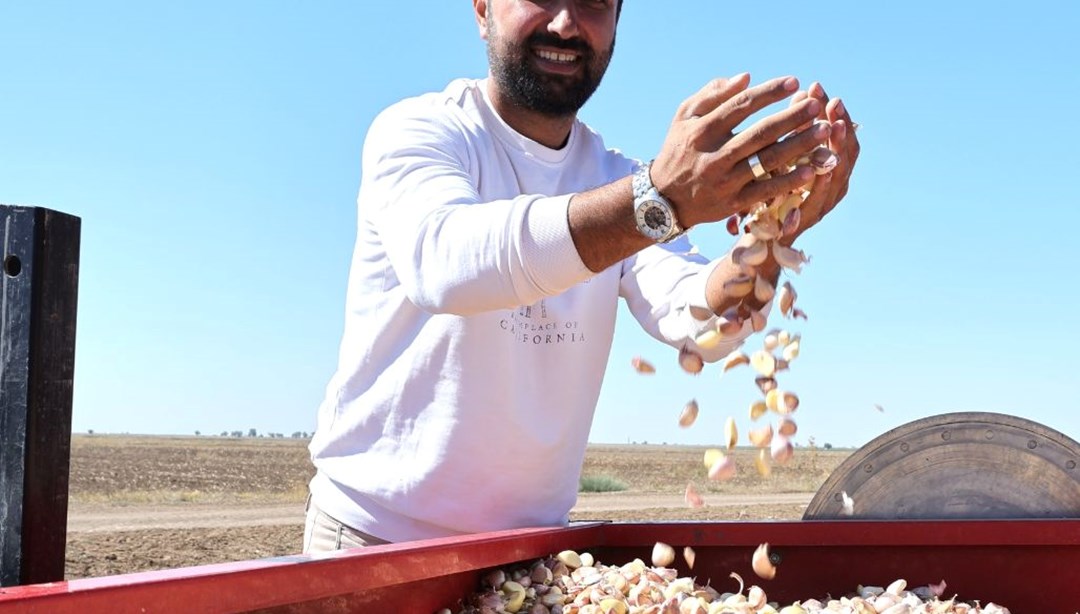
(496, 234)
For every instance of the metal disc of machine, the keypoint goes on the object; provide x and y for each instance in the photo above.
(961, 465)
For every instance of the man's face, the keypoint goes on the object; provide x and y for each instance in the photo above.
(549, 57)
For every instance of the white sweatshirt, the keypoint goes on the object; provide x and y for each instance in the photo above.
(475, 339)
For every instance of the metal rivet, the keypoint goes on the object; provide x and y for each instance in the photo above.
(868, 467)
(989, 434)
(1033, 444)
(1070, 465)
(775, 557)
(946, 435)
(904, 447)
(838, 497)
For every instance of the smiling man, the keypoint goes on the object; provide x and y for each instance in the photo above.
(496, 234)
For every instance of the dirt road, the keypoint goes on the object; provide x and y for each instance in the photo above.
(90, 518)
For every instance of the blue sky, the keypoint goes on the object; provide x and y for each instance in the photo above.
(212, 152)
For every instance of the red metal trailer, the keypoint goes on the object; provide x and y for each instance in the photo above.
(1026, 565)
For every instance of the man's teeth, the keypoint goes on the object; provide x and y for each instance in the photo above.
(557, 57)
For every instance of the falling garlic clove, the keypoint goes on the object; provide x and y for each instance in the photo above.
(711, 456)
(823, 159)
(691, 361)
(752, 255)
(791, 351)
(787, 402)
(789, 257)
(798, 314)
(792, 220)
(786, 296)
(781, 449)
(642, 366)
(732, 225)
(757, 321)
(690, 556)
(772, 399)
(763, 289)
(786, 427)
(758, 409)
(761, 563)
(708, 339)
(763, 362)
(764, 228)
(731, 433)
(734, 359)
(770, 342)
(761, 437)
(847, 507)
(784, 337)
(765, 384)
(722, 469)
(662, 555)
(692, 497)
(689, 414)
(763, 463)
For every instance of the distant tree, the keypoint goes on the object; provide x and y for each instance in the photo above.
(297, 435)
(197, 433)
(89, 431)
(237, 433)
(253, 433)
(827, 446)
(224, 433)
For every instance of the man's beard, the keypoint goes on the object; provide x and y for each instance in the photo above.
(548, 94)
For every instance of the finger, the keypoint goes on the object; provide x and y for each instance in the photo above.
(761, 191)
(816, 90)
(783, 154)
(712, 95)
(798, 97)
(730, 113)
(768, 130)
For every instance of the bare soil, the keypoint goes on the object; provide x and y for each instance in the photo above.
(144, 503)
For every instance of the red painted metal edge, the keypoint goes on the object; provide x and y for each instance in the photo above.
(280, 581)
(1010, 560)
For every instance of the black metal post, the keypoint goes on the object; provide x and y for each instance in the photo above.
(38, 298)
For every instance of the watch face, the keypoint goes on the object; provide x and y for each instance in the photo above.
(653, 219)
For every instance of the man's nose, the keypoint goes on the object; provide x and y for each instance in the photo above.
(564, 23)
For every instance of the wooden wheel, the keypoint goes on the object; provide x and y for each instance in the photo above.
(961, 465)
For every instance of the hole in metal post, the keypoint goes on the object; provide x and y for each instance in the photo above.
(12, 266)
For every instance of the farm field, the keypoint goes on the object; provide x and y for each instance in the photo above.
(140, 503)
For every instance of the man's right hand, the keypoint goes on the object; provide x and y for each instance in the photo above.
(703, 166)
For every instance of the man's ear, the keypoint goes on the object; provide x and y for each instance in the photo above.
(480, 10)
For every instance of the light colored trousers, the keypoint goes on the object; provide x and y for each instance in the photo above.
(323, 533)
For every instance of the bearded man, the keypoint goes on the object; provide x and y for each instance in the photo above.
(496, 234)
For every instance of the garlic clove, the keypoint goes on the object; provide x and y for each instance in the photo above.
(731, 433)
(763, 463)
(786, 427)
(752, 255)
(763, 289)
(711, 456)
(757, 409)
(691, 361)
(791, 351)
(722, 469)
(735, 359)
(692, 497)
(781, 449)
(642, 366)
(763, 362)
(708, 339)
(690, 556)
(689, 414)
(786, 296)
(761, 437)
(663, 555)
(761, 563)
(789, 257)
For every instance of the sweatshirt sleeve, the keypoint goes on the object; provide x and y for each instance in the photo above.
(660, 285)
(451, 252)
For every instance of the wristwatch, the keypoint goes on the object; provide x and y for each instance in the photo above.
(654, 215)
